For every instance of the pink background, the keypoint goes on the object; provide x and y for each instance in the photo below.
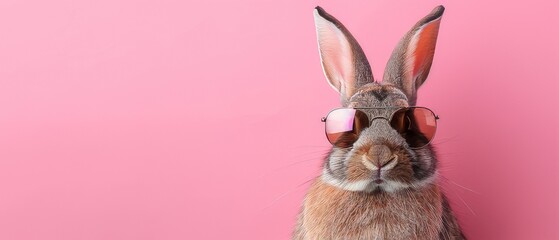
(200, 119)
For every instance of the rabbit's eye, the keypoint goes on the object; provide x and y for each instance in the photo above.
(416, 124)
(401, 123)
(407, 122)
(343, 126)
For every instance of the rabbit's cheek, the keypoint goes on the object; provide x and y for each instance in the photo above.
(402, 173)
(356, 171)
(336, 163)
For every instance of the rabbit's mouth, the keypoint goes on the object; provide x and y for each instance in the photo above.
(370, 185)
(377, 188)
(379, 182)
(385, 185)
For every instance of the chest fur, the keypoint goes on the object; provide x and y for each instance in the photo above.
(331, 213)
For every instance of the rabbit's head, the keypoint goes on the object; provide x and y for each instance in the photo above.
(379, 158)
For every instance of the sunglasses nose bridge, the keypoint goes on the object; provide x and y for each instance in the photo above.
(378, 117)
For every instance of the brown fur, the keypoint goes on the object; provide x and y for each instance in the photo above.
(332, 213)
(404, 200)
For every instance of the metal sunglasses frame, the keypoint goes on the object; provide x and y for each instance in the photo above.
(323, 119)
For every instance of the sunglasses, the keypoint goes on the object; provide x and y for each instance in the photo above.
(417, 125)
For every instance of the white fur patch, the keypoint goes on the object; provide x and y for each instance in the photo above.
(356, 186)
(367, 185)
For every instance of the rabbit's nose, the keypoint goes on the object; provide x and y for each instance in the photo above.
(380, 157)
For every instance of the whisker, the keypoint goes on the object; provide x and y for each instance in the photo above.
(288, 192)
(312, 146)
(311, 152)
(447, 154)
(444, 140)
(465, 188)
(462, 200)
(309, 160)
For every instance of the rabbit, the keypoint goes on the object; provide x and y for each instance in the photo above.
(345, 201)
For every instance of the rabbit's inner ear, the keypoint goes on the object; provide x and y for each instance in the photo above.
(410, 63)
(336, 56)
(344, 64)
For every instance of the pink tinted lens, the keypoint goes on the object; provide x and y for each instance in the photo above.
(416, 124)
(345, 124)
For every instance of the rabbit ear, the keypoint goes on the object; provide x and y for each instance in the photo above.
(345, 66)
(410, 62)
